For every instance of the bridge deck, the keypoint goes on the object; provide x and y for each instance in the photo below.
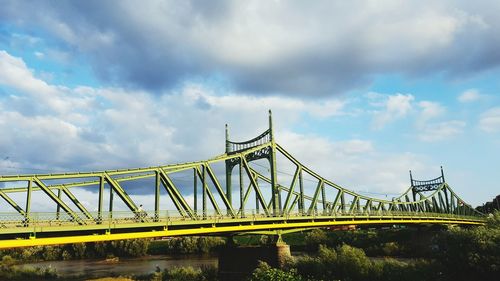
(44, 231)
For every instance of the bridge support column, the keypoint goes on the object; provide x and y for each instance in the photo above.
(238, 262)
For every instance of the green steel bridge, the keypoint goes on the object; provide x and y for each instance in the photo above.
(280, 202)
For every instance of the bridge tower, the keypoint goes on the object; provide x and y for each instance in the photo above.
(267, 152)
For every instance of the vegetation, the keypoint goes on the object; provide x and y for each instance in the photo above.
(266, 273)
(8, 271)
(187, 273)
(186, 245)
(490, 207)
(119, 248)
(454, 254)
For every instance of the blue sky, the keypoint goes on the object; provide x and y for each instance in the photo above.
(361, 91)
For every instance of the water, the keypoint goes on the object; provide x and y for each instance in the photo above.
(133, 266)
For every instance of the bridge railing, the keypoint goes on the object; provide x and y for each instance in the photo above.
(128, 218)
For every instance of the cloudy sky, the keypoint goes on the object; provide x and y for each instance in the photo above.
(361, 91)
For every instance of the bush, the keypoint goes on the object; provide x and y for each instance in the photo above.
(183, 274)
(316, 237)
(266, 273)
(470, 254)
(352, 263)
(390, 249)
(185, 245)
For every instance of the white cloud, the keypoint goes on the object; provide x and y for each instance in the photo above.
(490, 120)
(96, 128)
(441, 131)
(470, 95)
(335, 46)
(430, 110)
(355, 164)
(395, 107)
(39, 55)
(36, 92)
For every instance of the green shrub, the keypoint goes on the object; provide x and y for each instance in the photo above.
(315, 237)
(183, 274)
(266, 273)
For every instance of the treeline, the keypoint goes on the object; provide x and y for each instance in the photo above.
(401, 242)
(458, 254)
(186, 245)
(119, 248)
(490, 207)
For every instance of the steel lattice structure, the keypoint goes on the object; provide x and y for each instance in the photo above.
(279, 206)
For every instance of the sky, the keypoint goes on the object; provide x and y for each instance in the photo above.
(361, 91)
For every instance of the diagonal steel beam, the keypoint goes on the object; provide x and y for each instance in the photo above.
(335, 202)
(255, 186)
(217, 185)
(176, 202)
(315, 197)
(208, 192)
(121, 192)
(57, 200)
(77, 202)
(175, 192)
(292, 187)
(12, 203)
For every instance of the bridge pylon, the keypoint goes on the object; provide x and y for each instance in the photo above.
(268, 153)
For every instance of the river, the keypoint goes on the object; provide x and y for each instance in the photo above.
(133, 266)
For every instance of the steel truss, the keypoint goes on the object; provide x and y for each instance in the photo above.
(425, 201)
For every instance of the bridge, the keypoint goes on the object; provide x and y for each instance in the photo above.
(274, 193)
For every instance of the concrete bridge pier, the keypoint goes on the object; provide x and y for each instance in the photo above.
(237, 262)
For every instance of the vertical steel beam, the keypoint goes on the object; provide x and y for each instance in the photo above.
(323, 196)
(447, 203)
(242, 199)
(204, 188)
(28, 200)
(195, 191)
(342, 202)
(110, 201)
(157, 195)
(58, 208)
(301, 198)
(229, 170)
(257, 205)
(101, 198)
(276, 194)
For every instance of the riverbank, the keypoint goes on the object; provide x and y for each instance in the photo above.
(98, 268)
